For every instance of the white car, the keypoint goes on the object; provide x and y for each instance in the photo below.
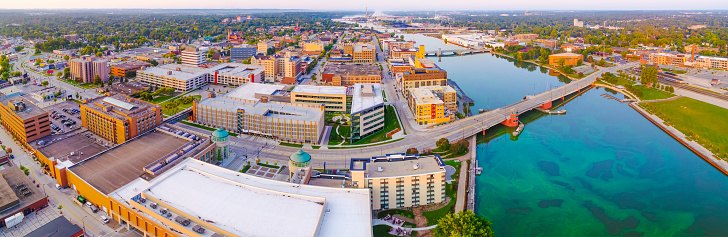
(58, 186)
(104, 219)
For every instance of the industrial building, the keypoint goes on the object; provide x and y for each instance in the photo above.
(256, 109)
(350, 74)
(186, 78)
(26, 121)
(332, 98)
(118, 118)
(367, 110)
(433, 104)
(399, 180)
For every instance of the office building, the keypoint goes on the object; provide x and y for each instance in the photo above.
(254, 109)
(316, 47)
(578, 23)
(192, 56)
(123, 69)
(367, 110)
(186, 78)
(291, 66)
(86, 69)
(399, 180)
(677, 60)
(350, 74)
(433, 104)
(118, 118)
(364, 53)
(332, 98)
(263, 46)
(569, 59)
(243, 52)
(26, 121)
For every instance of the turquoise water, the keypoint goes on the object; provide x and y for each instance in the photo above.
(600, 170)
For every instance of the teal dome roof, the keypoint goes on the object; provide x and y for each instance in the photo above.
(300, 157)
(221, 133)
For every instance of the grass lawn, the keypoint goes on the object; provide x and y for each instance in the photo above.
(434, 216)
(84, 86)
(161, 98)
(179, 107)
(206, 127)
(683, 113)
(315, 147)
(269, 166)
(334, 138)
(382, 231)
(390, 123)
(653, 94)
(291, 144)
(245, 169)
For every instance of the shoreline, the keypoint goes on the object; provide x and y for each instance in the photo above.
(680, 137)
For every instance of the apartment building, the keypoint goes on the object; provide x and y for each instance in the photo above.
(263, 46)
(350, 74)
(243, 52)
(186, 78)
(332, 98)
(711, 62)
(26, 121)
(87, 69)
(269, 63)
(118, 118)
(433, 104)
(677, 60)
(418, 77)
(364, 53)
(367, 110)
(399, 180)
(192, 56)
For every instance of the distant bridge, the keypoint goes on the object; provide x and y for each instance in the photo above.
(456, 52)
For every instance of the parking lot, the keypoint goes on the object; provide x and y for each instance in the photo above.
(65, 117)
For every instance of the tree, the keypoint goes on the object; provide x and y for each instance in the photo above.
(624, 53)
(154, 62)
(59, 74)
(465, 223)
(66, 73)
(648, 76)
(443, 143)
(9, 150)
(97, 80)
(44, 83)
(561, 62)
(412, 151)
(66, 57)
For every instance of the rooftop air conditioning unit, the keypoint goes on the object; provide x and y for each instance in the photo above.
(416, 166)
(380, 169)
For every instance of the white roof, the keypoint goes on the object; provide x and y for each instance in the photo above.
(248, 90)
(118, 103)
(329, 90)
(362, 101)
(247, 205)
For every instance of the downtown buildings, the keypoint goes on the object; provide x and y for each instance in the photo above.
(87, 69)
(118, 118)
(350, 74)
(193, 56)
(432, 104)
(23, 119)
(187, 78)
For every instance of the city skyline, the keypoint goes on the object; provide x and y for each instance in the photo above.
(519, 5)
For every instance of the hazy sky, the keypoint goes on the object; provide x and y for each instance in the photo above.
(378, 4)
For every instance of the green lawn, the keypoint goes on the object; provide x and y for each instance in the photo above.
(405, 213)
(84, 86)
(698, 120)
(334, 138)
(652, 93)
(291, 144)
(206, 127)
(179, 107)
(382, 231)
(390, 123)
(434, 216)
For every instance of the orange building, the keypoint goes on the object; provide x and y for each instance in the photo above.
(26, 121)
(120, 70)
(118, 118)
(570, 59)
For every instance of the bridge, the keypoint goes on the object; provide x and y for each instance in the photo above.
(179, 116)
(456, 52)
(508, 115)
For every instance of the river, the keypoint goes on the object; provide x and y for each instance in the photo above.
(600, 170)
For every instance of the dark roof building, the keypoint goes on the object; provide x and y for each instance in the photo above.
(59, 227)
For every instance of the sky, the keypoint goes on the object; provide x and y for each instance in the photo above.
(384, 5)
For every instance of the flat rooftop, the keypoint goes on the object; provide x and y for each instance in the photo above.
(122, 106)
(59, 227)
(424, 96)
(14, 177)
(248, 90)
(327, 90)
(366, 95)
(131, 65)
(397, 165)
(31, 110)
(355, 69)
(122, 164)
(240, 71)
(60, 148)
(250, 206)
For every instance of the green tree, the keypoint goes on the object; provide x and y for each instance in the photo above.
(59, 74)
(648, 76)
(465, 223)
(44, 83)
(66, 57)
(97, 80)
(443, 143)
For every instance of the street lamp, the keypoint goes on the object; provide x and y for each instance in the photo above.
(84, 224)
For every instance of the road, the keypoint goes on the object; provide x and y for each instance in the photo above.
(52, 80)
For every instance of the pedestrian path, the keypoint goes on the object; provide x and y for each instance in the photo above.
(383, 222)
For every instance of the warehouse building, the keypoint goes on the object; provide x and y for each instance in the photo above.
(350, 74)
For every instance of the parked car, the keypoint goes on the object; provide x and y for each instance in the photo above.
(104, 219)
(58, 186)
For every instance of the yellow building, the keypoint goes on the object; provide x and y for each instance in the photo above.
(118, 118)
(400, 181)
(364, 53)
(433, 104)
(333, 98)
(313, 47)
(570, 59)
(677, 60)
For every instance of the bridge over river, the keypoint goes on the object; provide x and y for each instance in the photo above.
(457, 52)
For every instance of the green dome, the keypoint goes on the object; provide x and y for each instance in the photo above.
(220, 133)
(300, 157)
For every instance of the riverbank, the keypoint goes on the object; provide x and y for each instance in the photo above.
(696, 148)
